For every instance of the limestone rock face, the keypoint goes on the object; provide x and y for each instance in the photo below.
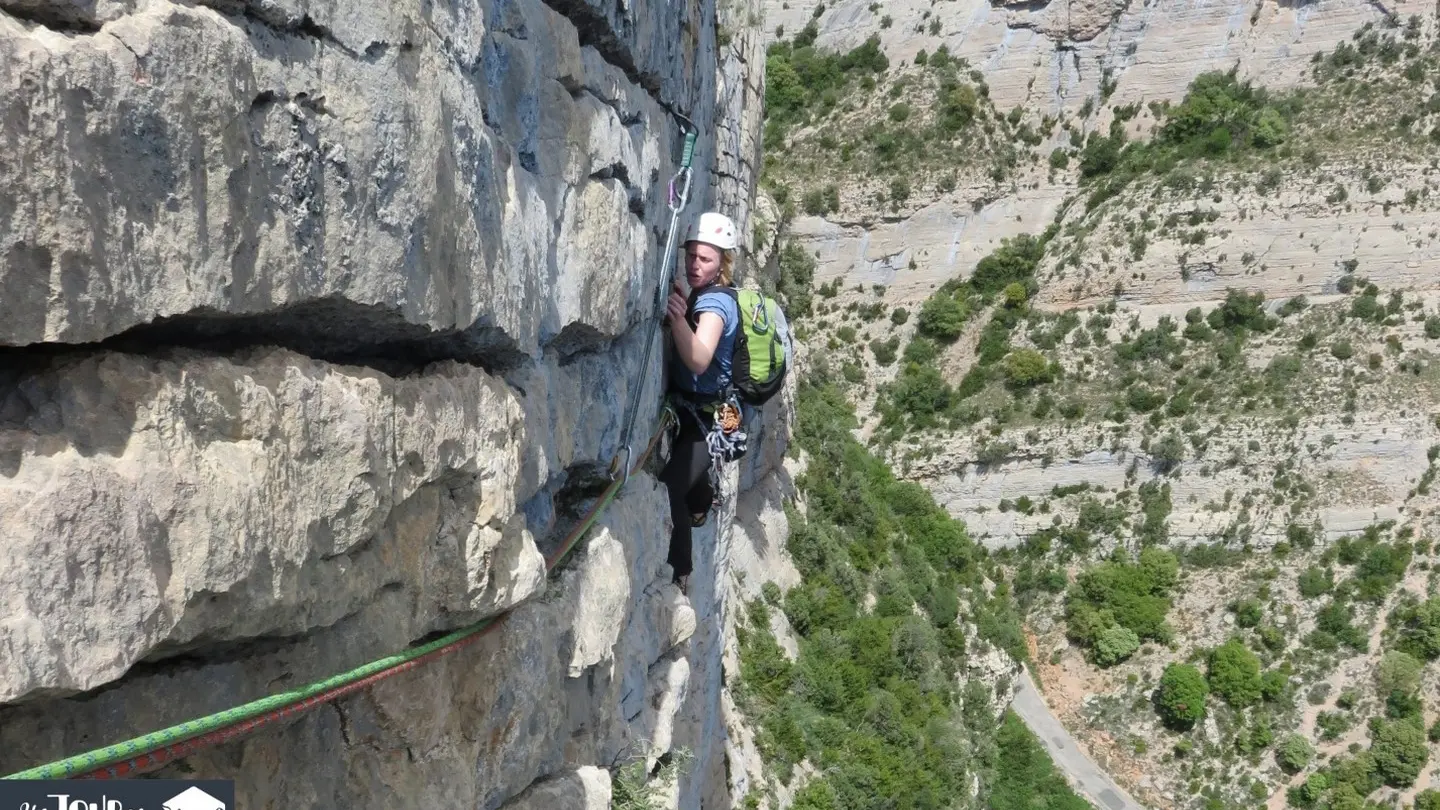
(240, 499)
(1049, 56)
(1301, 240)
(1366, 471)
(1055, 58)
(319, 323)
(586, 788)
(454, 168)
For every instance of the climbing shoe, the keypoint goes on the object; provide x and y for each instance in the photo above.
(698, 519)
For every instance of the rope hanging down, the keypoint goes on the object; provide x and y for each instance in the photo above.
(676, 202)
(146, 753)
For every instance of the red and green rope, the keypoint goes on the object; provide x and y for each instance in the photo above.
(152, 750)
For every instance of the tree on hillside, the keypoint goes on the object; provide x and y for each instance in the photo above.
(1234, 673)
(1181, 697)
(1399, 750)
(943, 316)
(1027, 367)
(1398, 672)
(1115, 644)
(1418, 625)
(1014, 260)
(1428, 799)
(1294, 753)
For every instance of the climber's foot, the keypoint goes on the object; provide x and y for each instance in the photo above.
(698, 519)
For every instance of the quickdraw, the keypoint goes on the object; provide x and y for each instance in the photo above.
(676, 201)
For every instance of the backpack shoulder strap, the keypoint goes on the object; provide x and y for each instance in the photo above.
(730, 291)
(695, 296)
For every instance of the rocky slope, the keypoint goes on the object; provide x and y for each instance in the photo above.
(319, 324)
(1053, 63)
(1346, 199)
(1050, 56)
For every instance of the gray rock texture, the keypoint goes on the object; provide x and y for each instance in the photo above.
(318, 326)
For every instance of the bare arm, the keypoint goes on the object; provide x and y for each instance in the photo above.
(696, 348)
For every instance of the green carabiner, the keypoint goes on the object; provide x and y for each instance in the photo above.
(689, 152)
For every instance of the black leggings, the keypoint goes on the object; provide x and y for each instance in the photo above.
(687, 477)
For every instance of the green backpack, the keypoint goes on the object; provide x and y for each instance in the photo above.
(762, 345)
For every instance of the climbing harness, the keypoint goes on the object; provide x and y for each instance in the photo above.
(725, 440)
(676, 201)
(153, 750)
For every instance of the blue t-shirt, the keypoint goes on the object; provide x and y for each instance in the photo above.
(717, 376)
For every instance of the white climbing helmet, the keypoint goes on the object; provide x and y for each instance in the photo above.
(714, 229)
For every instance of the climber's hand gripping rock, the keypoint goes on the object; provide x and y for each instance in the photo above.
(676, 304)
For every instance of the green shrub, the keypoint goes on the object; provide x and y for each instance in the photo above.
(1241, 312)
(1248, 613)
(797, 273)
(918, 397)
(1428, 799)
(1300, 536)
(973, 382)
(1026, 367)
(632, 790)
(959, 105)
(943, 316)
(1168, 451)
(1399, 749)
(1234, 673)
(1333, 627)
(1275, 683)
(1315, 581)
(1143, 400)
(1015, 260)
(1181, 696)
(1417, 627)
(1380, 571)
(1101, 154)
(1405, 706)
(1134, 595)
(885, 350)
(1115, 644)
(1294, 753)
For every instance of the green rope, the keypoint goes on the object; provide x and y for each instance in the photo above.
(128, 749)
(191, 728)
(101, 757)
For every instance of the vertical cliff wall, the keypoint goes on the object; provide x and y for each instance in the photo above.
(317, 326)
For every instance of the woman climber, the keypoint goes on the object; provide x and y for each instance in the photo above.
(703, 328)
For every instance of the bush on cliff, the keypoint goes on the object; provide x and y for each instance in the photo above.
(1133, 595)
(1181, 697)
(873, 700)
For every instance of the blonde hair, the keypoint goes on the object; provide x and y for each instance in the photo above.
(727, 269)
